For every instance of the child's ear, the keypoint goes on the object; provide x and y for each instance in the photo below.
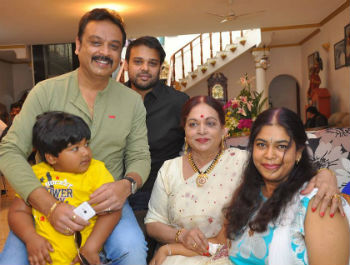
(51, 159)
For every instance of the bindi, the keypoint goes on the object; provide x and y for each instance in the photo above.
(202, 116)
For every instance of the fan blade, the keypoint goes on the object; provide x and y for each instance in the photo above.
(215, 14)
(251, 13)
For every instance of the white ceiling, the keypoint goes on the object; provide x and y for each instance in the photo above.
(56, 21)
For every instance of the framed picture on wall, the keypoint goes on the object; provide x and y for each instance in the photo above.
(339, 54)
(347, 43)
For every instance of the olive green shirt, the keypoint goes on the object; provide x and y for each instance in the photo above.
(118, 129)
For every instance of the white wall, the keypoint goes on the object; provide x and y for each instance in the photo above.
(233, 71)
(337, 81)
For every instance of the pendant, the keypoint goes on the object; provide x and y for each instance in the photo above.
(201, 179)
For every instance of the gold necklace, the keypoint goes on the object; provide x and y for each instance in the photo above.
(202, 176)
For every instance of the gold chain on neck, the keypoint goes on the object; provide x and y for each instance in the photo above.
(202, 176)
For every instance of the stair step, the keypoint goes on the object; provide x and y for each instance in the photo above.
(231, 47)
(221, 54)
(211, 61)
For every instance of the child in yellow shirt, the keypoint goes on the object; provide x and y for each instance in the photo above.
(70, 174)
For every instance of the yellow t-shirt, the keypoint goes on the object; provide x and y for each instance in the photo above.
(73, 189)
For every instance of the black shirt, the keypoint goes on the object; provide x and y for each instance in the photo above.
(165, 135)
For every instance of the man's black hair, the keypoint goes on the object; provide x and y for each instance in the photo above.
(148, 41)
(312, 110)
(53, 131)
(101, 14)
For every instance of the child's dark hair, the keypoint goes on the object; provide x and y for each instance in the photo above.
(53, 131)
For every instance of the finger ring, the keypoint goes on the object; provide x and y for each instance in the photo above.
(74, 217)
(336, 196)
(194, 245)
(68, 230)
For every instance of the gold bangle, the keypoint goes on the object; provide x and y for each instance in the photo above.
(324, 168)
(52, 209)
(177, 235)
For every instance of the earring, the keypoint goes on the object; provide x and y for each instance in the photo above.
(297, 161)
(222, 143)
(186, 147)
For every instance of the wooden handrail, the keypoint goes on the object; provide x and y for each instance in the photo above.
(181, 50)
(191, 46)
(187, 44)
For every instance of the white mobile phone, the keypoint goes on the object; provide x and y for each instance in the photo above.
(85, 211)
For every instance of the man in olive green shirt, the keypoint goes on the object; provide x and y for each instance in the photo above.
(117, 120)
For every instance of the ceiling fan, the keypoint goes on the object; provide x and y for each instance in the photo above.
(231, 15)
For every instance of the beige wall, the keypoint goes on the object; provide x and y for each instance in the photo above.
(285, 61)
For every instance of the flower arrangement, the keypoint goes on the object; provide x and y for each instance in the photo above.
(243, 109)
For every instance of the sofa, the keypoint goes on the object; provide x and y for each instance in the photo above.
(339, 119)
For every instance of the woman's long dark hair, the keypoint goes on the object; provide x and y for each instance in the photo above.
(247, 199)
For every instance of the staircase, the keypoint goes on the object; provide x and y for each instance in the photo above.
(209, 52)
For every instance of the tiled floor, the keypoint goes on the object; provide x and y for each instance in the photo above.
(5, 202)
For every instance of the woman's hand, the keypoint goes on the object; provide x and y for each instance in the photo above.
(110, 196)
(326, 182)
(39, 250)
(160, 256)
(65, 221)
(195, 240)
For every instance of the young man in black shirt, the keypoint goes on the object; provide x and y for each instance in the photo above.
(144, 58)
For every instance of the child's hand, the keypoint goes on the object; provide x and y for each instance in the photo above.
(39, 250)
(90, 254)
(160, 256)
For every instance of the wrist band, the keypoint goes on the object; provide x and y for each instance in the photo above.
(177, 235)
(53, 207)
(324, 168)
(169, 250)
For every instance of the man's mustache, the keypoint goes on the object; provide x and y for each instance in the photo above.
(102, 58)
(144, 72)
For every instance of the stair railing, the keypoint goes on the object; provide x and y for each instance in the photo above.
(197, 51)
